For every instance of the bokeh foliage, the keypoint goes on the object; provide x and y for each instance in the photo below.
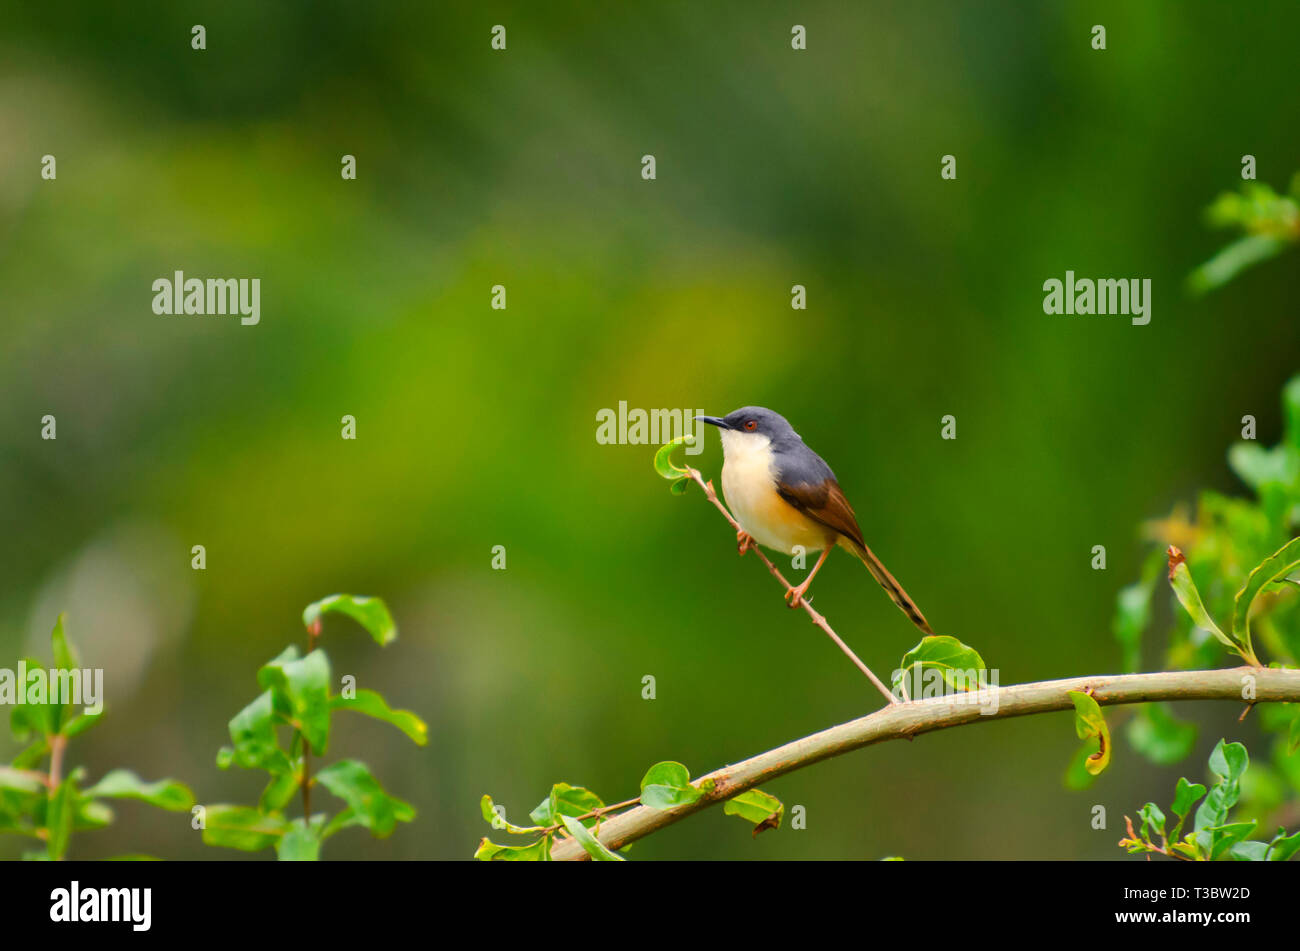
(775, 168)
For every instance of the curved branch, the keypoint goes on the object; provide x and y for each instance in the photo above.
(907, 720)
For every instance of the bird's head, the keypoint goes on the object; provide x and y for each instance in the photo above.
(750, 426)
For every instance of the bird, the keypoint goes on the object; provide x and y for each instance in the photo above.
(785, 497)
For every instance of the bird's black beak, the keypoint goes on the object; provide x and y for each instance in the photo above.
(714, 421)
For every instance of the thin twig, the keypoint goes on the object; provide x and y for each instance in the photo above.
(313, 633)
(58, 743)
(817, 619)
(908, 720)
(597, 814)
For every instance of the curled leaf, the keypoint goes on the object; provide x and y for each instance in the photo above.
(1089, 724)
(757, 807)
(497, 820)
(370, 613)
(373, 704)
(539, 851)
(668, 469)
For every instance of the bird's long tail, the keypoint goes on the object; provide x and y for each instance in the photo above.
(891, 586)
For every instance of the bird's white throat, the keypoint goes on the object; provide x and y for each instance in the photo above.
(748, 480)
(746, 449)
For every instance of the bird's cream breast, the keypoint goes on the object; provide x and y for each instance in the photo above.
(749, 486)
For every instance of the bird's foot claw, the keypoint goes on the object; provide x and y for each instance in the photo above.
(794, 596)
(744, 542)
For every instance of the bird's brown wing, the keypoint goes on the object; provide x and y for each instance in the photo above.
(824, 503)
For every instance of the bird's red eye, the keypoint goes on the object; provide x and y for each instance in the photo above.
(751, 425)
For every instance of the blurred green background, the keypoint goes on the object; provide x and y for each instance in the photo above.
(476, 427)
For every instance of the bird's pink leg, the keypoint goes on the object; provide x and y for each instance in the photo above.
(795, 595)
(745, 541)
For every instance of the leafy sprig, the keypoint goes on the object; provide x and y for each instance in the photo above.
(39, 797)
(1235, 559)
(576, 812)
(296, 698)
(1269, 222)
(1213, 835)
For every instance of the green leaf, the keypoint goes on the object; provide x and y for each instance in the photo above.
(1229, 761)
(242, 827)
(342, 820)
(281, 789)
(252, 730)
(373, 704)
(589, 842)
(81, 723)
(32, 755)
(1090, 724)
(565, 800)
(1180, 578)
(1258, 467)
(1133, 611)
(301, 841)
(60, 817)
(123, 784)
(1278, 565)
(1077, 776)
(1153, 820)
(956, 661)
(20, 779)
(1157, 735)
(352, 782)
(370, 613)
(668, 784)
(498, 821)
(1232, 260)
(1227, 836)
(28, 719)
(665, 466)
(1185, 796)
(91, 814)
(1249, 851)
(1283, 847)
(65, 656)
(757, 807)
(1293, 735)
(300, 690)
(1291, 405)
(539, 851)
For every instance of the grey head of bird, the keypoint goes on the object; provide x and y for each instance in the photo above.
(756, 420)
(755, 431)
